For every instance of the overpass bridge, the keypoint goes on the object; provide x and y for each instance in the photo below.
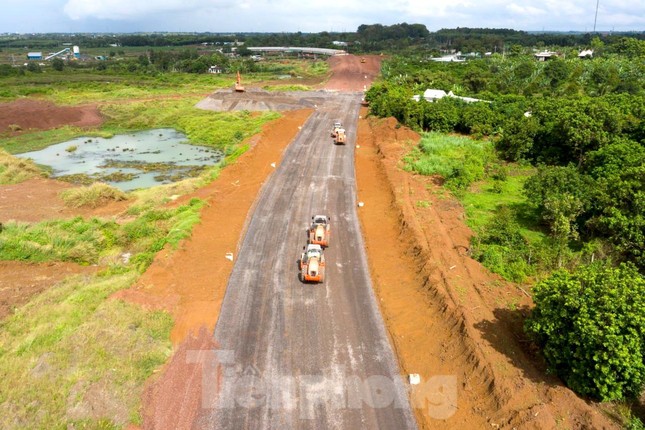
(293, 49)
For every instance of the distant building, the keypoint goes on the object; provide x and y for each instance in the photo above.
(545, 55)
(339, 43)
(587, 53)
(451, 58)
(432, 95)
(34, 56)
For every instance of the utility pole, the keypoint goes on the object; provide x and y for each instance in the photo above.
(596, 17)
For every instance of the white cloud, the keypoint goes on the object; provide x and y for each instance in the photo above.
(315, 15)
(137, 9)
(524, 10)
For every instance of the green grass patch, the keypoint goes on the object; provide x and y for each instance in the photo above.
(72, 357)
(76, 86)
(459, 160)
(93, 196)
(87, 241)
(508, 240)
(77, 240)
(15, 170)
(482, 200)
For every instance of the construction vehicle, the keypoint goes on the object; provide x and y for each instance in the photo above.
(238, 84)
(334, 129)
(312, 264)
(341, 137)
(319, 231)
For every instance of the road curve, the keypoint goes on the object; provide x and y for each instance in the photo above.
(306, 356)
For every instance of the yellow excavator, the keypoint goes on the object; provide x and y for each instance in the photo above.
(238, 84)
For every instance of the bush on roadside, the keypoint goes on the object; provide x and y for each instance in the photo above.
(591, 327)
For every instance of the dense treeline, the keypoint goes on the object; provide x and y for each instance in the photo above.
(367, 38)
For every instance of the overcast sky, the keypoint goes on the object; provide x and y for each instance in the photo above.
(111, 16)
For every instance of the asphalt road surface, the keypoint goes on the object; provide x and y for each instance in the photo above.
(306, 356)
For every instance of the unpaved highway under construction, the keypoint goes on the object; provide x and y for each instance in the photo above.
(296, 355)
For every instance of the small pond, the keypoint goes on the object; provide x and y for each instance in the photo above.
(127, 161)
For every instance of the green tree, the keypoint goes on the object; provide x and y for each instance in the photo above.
(516, 140)
(560, 195)
(58, 64)
(590, 325)
(619, 197)
(557, 71)
(33, 67)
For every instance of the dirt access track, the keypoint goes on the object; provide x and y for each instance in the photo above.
(440, 319)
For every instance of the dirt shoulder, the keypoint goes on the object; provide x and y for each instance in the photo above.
(446, 314)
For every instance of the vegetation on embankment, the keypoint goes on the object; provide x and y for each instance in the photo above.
(555, 194)
(490, 190)
(93, 196)
(72, 357)
(93, 241)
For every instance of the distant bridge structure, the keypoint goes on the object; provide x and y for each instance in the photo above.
(317, 51)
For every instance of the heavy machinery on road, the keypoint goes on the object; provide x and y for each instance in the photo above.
(238, 84)
(320, 230)
(334, 130)
(312, 264)
(341, 137)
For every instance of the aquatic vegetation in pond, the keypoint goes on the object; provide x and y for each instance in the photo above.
(129, 161)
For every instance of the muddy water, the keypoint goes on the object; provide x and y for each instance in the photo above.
(137, 160)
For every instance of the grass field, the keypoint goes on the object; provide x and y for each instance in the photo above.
(74, 87)
(459, 160)
(71, 351)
